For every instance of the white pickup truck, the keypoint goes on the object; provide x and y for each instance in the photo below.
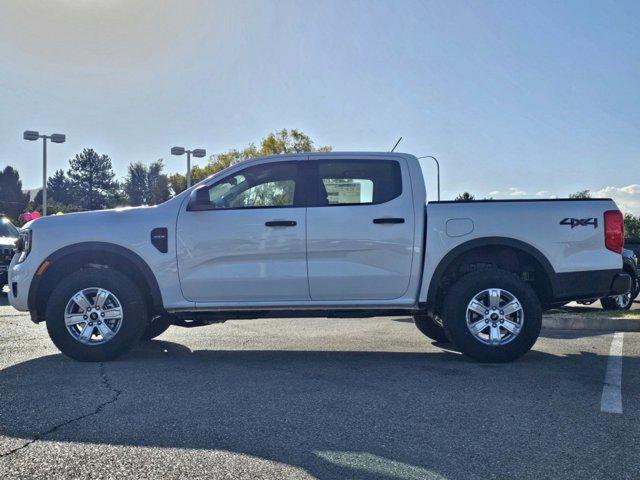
(316, 235)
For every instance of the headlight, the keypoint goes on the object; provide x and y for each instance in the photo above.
(23, 245)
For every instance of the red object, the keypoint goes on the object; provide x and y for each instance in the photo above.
(35, 215)
(614, 230)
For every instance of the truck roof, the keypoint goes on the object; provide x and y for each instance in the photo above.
(371, 155)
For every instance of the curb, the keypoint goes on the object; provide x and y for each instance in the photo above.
(579, 322)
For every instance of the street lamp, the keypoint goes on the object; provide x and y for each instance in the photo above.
(55, 138)
(437, 167)
(198, 152)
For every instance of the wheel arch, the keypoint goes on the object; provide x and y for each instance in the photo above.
(504, 252)
(98, 254)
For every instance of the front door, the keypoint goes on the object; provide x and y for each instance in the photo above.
(250, 246)
(360, 229)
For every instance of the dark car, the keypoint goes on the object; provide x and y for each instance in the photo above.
(633, 244)
(8, 238)
(625, 300)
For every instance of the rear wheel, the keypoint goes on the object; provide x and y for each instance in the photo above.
(492, 316)
(96, 314)
(431, 327)
(157, 327)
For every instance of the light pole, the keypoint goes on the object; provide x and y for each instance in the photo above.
(198, 152)
(55, 138)
(437, 168)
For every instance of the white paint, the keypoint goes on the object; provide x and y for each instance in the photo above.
(612, 392)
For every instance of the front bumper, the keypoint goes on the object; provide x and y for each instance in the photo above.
(20, 276)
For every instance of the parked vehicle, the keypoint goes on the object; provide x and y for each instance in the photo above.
(8, 238)
(633, 244)
(316, 235)
(624, 301)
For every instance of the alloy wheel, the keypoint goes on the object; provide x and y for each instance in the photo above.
(494, 316)
(93, 316)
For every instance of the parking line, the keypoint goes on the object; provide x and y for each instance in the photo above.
(612, 391)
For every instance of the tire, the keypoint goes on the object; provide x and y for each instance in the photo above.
(624, 301)
(506, 289)
(428, 326)
(618, 302)
(157, 327)
(94, 347)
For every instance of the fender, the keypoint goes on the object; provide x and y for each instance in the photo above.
(453, 254)
(143, 268)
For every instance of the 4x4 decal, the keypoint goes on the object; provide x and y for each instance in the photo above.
(580, 222)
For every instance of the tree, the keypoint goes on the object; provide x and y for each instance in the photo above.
(59, 188)
(116, 196)
(631, 225)
(92, 179)
(12, 200)
(135, 185)
(465, 197)
(276, 143)
(581, 194)
(177, 183)
(157, 184)
(146, 185)
(285, 141)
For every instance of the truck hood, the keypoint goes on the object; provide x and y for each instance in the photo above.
(130, 227)
(95, 218)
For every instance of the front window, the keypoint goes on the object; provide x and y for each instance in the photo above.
(267, 185)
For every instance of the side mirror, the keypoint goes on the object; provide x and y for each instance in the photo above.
(199, 199)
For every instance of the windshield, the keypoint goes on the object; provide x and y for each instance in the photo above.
(7, 229)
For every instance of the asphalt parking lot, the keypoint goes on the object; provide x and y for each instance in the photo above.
(316, 398)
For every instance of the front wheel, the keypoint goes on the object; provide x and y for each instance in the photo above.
(492, 316)
(96, 314)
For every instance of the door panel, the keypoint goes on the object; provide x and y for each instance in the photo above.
(249, 245)
(232, 255)
(360, 251)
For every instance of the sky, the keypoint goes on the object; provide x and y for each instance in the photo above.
(516, 99)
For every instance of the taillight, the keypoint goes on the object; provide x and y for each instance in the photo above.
(614, 230)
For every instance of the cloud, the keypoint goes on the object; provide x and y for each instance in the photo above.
(543, 193)
(495, 192)
(516, 192)
(627, 197)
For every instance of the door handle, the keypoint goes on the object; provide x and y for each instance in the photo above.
(388, 220)
(281, 223)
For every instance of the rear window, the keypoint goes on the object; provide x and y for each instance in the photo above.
(358, 182)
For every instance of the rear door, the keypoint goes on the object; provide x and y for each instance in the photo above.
(360, 229)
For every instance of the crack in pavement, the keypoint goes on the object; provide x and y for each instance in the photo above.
(114, 397)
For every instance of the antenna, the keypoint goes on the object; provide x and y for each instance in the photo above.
(394, 147)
